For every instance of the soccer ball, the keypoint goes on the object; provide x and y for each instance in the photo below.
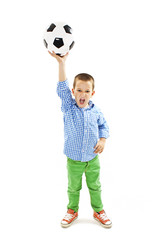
(58, 38)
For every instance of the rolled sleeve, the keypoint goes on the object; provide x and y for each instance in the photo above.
(64, 93)
(62, 86)
(103, 127)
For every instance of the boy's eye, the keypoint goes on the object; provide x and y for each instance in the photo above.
(81, 91)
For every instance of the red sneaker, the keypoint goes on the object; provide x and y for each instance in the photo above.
(102, 218)
(69, 218)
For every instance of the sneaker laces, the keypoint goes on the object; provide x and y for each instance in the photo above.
(68, 216)
(103, 216)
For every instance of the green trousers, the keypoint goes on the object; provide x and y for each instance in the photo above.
(92, 173)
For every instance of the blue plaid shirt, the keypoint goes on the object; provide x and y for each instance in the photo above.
(82, 126)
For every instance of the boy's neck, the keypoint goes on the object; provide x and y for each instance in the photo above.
(87, 106)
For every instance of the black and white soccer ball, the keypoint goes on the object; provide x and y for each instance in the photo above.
(58, 37)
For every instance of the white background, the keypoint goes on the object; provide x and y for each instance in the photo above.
(118, 43)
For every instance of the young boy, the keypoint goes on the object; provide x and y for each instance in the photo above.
(85, 133)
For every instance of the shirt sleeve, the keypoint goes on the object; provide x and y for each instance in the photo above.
(103, 126)
(64, 93)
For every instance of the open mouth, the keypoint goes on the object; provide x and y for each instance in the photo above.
(82, 101)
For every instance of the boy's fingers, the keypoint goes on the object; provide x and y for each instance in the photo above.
(97, 145)
(65, 55)
(52, 53)
(97, 149)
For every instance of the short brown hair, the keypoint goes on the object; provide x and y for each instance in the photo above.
(84, 77)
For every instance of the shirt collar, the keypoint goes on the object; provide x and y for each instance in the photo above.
(91, 104)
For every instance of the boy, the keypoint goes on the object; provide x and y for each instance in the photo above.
(85, 133)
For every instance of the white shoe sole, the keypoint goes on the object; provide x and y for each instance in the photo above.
(68, 225)
(104, 225)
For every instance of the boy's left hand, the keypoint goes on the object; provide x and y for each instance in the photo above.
(100, 145)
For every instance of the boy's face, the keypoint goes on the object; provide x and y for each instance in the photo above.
(83, 92)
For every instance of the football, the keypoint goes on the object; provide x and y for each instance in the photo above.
(58, 37)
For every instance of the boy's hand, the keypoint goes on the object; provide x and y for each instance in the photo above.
(100, 145)
(59, 59)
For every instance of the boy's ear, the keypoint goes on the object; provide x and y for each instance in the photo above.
(93, 93)
(72, 91)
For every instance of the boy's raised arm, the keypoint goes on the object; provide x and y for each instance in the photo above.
(63, 90)
(61, 61)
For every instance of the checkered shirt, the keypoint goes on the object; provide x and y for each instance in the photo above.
(82, 126)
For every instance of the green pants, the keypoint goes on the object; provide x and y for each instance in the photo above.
(92, 173)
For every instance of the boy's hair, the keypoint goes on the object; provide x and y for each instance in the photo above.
(83, 77)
